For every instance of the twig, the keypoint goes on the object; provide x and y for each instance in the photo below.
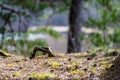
(45, 50)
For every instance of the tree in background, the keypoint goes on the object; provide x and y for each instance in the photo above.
(75, 24)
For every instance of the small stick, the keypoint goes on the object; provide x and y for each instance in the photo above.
(45, 50)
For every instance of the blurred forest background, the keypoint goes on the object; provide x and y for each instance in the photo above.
(64, 25)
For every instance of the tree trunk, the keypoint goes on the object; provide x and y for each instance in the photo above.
(75, 24)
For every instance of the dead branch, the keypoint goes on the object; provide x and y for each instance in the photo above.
(9, 9)
(44, 50)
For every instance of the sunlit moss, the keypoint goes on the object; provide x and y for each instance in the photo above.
(81, 59)
(93, 71)
(82, 73)
(55, 64)
(17, 74)
(61, 54)
(106, 64)
(74, 72)
(74, 65)
(41, 76)
(90, 67)
(77, 54)
(11, 64)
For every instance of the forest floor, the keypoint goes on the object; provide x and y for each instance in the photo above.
(78, 66)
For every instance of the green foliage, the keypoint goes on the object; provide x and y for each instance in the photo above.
(26, 47)
(115, 36)
(97, 40)
(104, 2)
(115, 15)
(29, 4)
(22, 46)
(82, 36)
(98, 23)
(46, 30)
(108, 17)
(43, 5)
(65, 6)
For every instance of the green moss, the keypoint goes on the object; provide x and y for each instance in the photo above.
(106, 64)
(17, 74)
(74, 72)
(82, 73)
(93, 71)
(92, 55)
(11, 64)
(55, 64)
(42, 76)
(74, 65)
(60, 54)
(110, 52)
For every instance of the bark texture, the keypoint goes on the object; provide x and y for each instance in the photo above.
(75, 24)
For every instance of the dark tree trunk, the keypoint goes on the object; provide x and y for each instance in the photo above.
(75, 24)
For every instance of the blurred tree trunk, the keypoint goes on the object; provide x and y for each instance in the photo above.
(75, 24)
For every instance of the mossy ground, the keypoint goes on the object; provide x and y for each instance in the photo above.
(77, 66)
